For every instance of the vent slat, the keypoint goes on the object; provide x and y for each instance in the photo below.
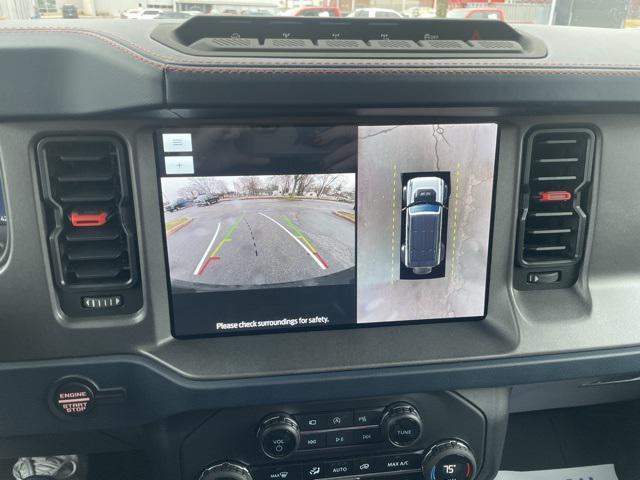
(558, 160)
(550, 214)
(560, 141)
(548, 231)
(560, 178)
(546, 248)
(93, 234)
(84, 192)
(100, 172)
(100, 270)
(81, 158)
(93, 251)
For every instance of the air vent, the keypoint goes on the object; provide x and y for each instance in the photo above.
(393, 44)
(233, 42)
(341, 44)
(90, 220)
(445, 45)
(496, 45)
(555, 200)
(288, 43)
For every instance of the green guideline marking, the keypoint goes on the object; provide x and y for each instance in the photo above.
(292, 226)
(227, 238)
(298, 233)
(214, 254)
(233, 228)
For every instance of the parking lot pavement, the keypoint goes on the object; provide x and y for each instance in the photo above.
(260, 242)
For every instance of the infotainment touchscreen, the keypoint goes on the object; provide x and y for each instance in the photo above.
(284, 228)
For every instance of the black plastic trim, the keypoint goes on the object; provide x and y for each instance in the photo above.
(154, 391)
(254, 36)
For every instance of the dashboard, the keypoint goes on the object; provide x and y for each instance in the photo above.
(259, 266)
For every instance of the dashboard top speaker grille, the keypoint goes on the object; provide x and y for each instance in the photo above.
(317, 37)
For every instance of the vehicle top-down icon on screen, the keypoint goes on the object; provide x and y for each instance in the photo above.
(424, 201)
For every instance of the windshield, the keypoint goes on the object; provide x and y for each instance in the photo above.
(589, 13)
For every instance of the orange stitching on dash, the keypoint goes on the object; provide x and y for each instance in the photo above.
(407, 71)
(429, 67)
(238, 60)
(100, 37)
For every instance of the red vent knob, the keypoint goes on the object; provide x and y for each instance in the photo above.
(555, 196)
(97, 219)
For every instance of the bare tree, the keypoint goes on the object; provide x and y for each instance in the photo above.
(323, 183)
(281, 183)
(296, 182)
(207, 185)
(301, 184)
(250, 186)
(187, 192)
(305, 184)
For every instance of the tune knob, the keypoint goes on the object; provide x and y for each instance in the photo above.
(401, 424)
(279, 436)
(449, 460)
(226, 471)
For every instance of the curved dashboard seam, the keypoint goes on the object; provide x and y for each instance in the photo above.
(407, 71)
(131, 49)
(629, 356)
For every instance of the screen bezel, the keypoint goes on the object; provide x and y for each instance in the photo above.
(158, 150)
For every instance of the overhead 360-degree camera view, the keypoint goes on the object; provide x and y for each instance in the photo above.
(424, 211)
(260, 231)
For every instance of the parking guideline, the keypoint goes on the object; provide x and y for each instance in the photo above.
(225, 239)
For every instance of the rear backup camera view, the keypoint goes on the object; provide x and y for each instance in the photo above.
(425, 198)
(247, 232)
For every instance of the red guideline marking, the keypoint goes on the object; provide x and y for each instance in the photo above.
(206, 264)
(322, 260)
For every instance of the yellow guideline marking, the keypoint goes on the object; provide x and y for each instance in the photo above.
(227, 237)
(313, 250)
(393, 222)
(298, 234)
(224, 240)
(456, 190)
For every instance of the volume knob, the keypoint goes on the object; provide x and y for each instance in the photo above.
(279, 436)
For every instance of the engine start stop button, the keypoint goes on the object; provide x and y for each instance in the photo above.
(74, 398)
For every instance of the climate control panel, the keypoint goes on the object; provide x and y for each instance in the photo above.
(447, 460)
(429, 436)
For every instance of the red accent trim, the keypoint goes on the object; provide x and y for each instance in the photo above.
(555, 196)
(322, 260)
(88, 219)
(469, 470)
